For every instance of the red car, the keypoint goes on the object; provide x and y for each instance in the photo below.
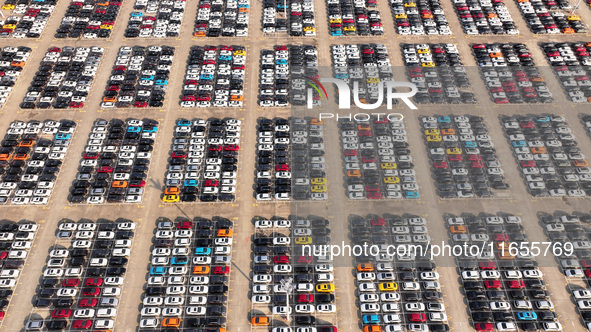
(137, 184)
(211, 183)
(364, 133)
(215, 148)
(72, 282)
(186, 224)
(350, 152)
(105, 169)
(484, 327)
(282, 167)
(75, 104)
(477, 164)
(3, 255)
(178, 154)
(475, 157)
(188, 98)
(488, 265)
(281, 259)
(502, 237)
(82, 324)
(140, 104)
(526, 124)
(88, 302)
(61, 313)
(374, 195)
(515, 284)
(91, 291)
(501, 101)
(455, 157)
(305, 259)
(440, 164)
(368, 160)
(93, 282)
(378, 222)
(588, 273)
(231, 147)
(91, 155)
(305, 298)
(528, 163)
(494, 284)
(417, 317)
(221, 270)
(372, 187)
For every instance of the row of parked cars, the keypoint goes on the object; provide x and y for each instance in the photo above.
(438, 72)
(376, 159)
(31, 155)
(139, 77)
(64, 78)
(81, 282)
(12, 63)
(510, 74)
(463, 158)
(188, 275)
(214, 77)
(115, 162)
(367, 65)
(397, 290)
(354, 18)
(155, 18)
(485, 17)
(542, 17)
(423, 17)
(15, 241)
(28, 19)
(505, 290)
(88, 19)
(228, 18)
(203, 161)
(299, 22)
(282, 268)
(550, 161)
(575, 265)
(283, 74)
(572, 65)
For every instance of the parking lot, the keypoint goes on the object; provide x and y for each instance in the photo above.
(27, 19)
(283, 270)
(155, 19)
(81, 282)
(398, 289)
(115, 162)
(225, 18)
(299, 22)
(463, 158)
(504, 288)
(203, 161)
(571, 65)
(426, 18)
(354, 18)
(188, 275)
(30, 159)
(482, 17)
(13, 62)
(88, 19)
(545, 16)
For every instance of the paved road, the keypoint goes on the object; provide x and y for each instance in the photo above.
(337, 208)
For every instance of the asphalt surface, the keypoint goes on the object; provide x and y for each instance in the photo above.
(245, 208)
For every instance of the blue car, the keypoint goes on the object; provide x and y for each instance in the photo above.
(161, 82)
(137, 14)
(342, 76)
(183, 123)
(243, 6)
(470, 144)
(519, 144)
(63, 136)
(281, 62)
(543, 119)
(152, 129)
(527, 315)
(206, 77)
(371, 319)
(134, 129)
(444, 119)
(179, 260)
(412, 194)
(158, 270)
(336, 33)
(191, 183)
(147, 78)
(202, 251)
(225, 57)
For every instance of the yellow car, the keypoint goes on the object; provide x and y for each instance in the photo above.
(410, 4)
(319, 189)
(9, 26)
(573, 18)
(389, 166)
(428, 64)
(335, 20)
(315, 121)
(107, 27)
(325, 288)
(391, 179)
(8, 7)
(454, 151)
(239, 52)
(171, 198)
(433, 138)
(424, 51)
(303, 240)
(401, 16)
(310, 29)
(432, 132)
(373, 80)
(350, 29)
(388, 286)
(318, 181)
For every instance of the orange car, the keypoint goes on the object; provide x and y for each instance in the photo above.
(354, 173)
(315, 121)
(365, 267)
(449, 131)
(109, 99)
(199, 34)
(260, 321)
(363, 127)
(568, 30)
(21, 156)
(538, 150)
(496, 54)
(236, 98)
(243, 10)
(492, 15)
(172, 191)
(537, 79)
(427, 15)
(225, 232)
(17, 64)
(457, 229)
(26, 143)
(119, 184)
(5, 157)
(201, 270)
(500, 245)
(372, 328)
(580, 163)
(171, 322)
